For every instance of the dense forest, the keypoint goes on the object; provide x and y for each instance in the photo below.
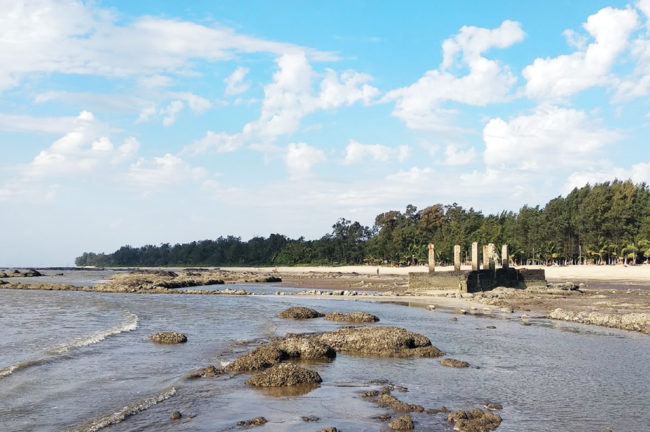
(604, 223)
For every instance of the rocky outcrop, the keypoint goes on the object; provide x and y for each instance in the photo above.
(380, 342)
(18, 273)
(285, 374)
(258, 359)
(388, 401)
(168, 338)
(453, 363)
(300, 313)
(402, 424)
(631, 321)
(305, 348)
(206, 372)
(355, 317)
(474, 421)
(257, 421)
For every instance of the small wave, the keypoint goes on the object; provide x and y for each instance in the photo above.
(125, 412)
(130, 324)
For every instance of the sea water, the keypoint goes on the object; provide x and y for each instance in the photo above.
(83, 361)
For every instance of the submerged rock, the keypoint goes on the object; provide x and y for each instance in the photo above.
(402, 423)
(176, 415)
(169, 338)
(453, 363)
(285, 374)
(257, 421)
(308, 419)
(355, 317)
(380, 341)
(474, 421)
(300, 313)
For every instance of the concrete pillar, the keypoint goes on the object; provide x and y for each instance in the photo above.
(475, 263)
(505, 258)
(492, 251)
(432, 258)
(457, 257)
(486, 261)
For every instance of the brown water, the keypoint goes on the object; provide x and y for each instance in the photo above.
(77, 360)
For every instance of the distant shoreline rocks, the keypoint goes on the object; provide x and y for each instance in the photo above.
(168, 338)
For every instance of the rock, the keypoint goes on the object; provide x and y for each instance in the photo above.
(32, 273)
(453, 363)
(206, 372)
(402, 423)
(507, 310)
(474, 421)
(355, 317)
(431, 307)
(381, 342)
(564, 286)
(305, 348)
(307, 419)
(168, 338)
(370, 394)
(329, 429)
(453, 319)
(285, 374)
(461, 311)
(258, 359)
(300, 313)
(491, 327)
(257, 421)
(176, 415)
(388, 401)
(434, 411)
(273, 279)
(384, 417)
(629, 321)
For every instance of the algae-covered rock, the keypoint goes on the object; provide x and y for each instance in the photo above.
(453, 363)
(300, 313)
(258, 359)
(285, 374)
(388, 401)
(206, 372)
(305, 348)
(381, 342)
(355, 317)
(474, 421)
(257, 421)
(402, 423)
(168, 338)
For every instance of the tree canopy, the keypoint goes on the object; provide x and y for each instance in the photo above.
(605, 223)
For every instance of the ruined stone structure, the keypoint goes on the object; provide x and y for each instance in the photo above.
(477, 279)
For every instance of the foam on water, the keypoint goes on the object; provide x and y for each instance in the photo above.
(129, 324)
(125, 412)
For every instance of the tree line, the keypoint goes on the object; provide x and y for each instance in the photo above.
(603, 224)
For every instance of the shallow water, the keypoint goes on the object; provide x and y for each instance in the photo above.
(85, 357)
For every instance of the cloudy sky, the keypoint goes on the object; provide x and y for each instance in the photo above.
(143, 122)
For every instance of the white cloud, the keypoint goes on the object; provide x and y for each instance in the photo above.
(420, 105)
(638, 83)
(162, 171)
(235, 82)
(454, 155)
(551, 138)
(155, 81)
(638, 173)
(415, 175)
(80, 150)
(197, 104)
(560, 77)
(48, 125)
(171, 111)
(71, 37)
(356, 152)
(301, 158)
(288, 98)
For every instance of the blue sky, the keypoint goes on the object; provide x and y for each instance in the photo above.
(147, 122)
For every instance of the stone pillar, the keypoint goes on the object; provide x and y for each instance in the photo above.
(475, 264)
(492, 251)
(505, 259)
(486, 261)
(432, 258)
(457, 257)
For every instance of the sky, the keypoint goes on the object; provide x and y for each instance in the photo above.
(155, 122)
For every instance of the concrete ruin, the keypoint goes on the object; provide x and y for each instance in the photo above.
(477, 279)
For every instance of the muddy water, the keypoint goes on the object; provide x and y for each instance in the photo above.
(77, 360)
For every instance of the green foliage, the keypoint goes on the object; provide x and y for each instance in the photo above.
(603, 223)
